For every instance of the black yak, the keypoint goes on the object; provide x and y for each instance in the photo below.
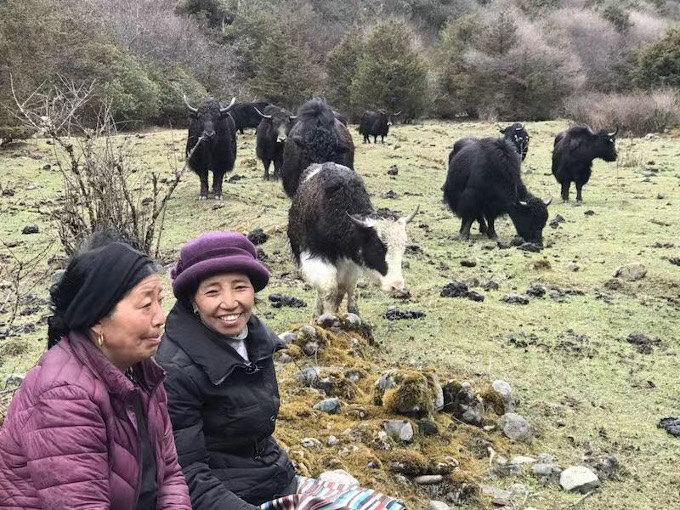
(375, 124)
(245, 114)
(484, 182)
(272, 131)
(516, 134)
(334, 233)
(316, 137)
(573, 153)
(217, 151)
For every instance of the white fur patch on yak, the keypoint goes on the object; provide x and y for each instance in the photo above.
(312, 170)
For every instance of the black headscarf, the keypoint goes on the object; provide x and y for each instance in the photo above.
(93, 283)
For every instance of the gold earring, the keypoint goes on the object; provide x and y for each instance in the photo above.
(100, 339)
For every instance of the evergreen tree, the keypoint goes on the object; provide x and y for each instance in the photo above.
(341, 67)
(390, 74)
(659, 63)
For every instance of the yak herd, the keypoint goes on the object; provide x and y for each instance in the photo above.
(333, 229)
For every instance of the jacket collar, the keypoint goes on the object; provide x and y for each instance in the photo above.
(209, 350)
(149, 372)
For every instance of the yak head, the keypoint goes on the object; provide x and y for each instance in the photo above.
(604, 145)
(383, 243)
(518, 136)
(207, 116)
(387, 117)
(280, 120)
(529, 215)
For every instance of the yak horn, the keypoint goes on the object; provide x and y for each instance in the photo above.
(188, 106)
(293, 118)
(614, 133)
(520, 128)
(412, 215)
(262, 114)
(548, 201)
(523, 203)
(225, 110)
(396, 114)
(358, 221)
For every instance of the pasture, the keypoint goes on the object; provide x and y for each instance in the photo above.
(579, 380)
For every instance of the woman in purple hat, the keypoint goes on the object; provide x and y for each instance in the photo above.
(222, 390)
(223, 396)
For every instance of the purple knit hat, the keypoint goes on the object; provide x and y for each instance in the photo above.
(214, 253)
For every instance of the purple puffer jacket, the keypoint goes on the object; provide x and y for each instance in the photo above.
(70, 437)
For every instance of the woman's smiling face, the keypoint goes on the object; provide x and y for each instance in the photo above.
(225, 302)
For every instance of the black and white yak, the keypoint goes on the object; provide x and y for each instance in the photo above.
(335, 232)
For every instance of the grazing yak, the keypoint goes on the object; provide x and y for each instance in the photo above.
(217, 151)
(375, 124)
(246, 116)
(484, 182)
(573, 153)
(316, 137)
(272, 131)
(334, 233)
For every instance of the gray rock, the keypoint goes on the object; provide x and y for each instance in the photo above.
(630, 272)
(545, 458)
(518, 489)
(353, 375)
(332, 441)
(499, 495)
(14, 380)
(30, 229)
(285, 339)
(428, 479)
(516, 427)
(385, 382)
(428, 428)
(505, 469)
(573, 267)
(329, 405)
(308, 331)
(312, 443)
(438, 505)
(520, 459)
(339, 476)
(401, 430)
(327, 320)
(310, 348)
(353, 320)
(513, 298)
(468, 263)
(547, 471)
(438, 400)
(505, 391)
(309, 376)
(579, 479)
(284, 358)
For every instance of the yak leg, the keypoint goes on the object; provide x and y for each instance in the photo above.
(278, 163)
(491, 230)
(579, 187)
(482, 224)
(382, 139)
(375, 138)
(266, 163)
(323, 276)
(565, 191)
(218, 177)
(203, 176)
(348, 274)
(465, 226)
(366, 139)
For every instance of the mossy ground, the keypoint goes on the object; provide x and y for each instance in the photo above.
(578, 381)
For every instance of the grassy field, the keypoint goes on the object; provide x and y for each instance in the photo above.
(579, 381)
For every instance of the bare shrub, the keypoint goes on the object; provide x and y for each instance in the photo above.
(103, 185)
(591, 38)
(646, 27)
(635, 114)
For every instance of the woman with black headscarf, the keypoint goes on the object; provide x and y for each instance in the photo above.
(89, 426)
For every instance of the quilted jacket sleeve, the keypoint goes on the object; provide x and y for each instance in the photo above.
(66, 450)
(173, 494)
(184, 405)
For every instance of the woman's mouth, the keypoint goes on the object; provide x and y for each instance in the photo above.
(230, 319)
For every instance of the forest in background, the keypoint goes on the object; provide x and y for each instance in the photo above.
(602, 62)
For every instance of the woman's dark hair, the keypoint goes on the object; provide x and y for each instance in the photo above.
(102, 275)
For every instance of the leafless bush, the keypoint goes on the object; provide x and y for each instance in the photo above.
(103, 187)
(591, 38)
(646, 27)
(151, 31)
(635, 114)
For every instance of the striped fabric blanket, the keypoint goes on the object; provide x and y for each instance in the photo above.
(315, 494)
